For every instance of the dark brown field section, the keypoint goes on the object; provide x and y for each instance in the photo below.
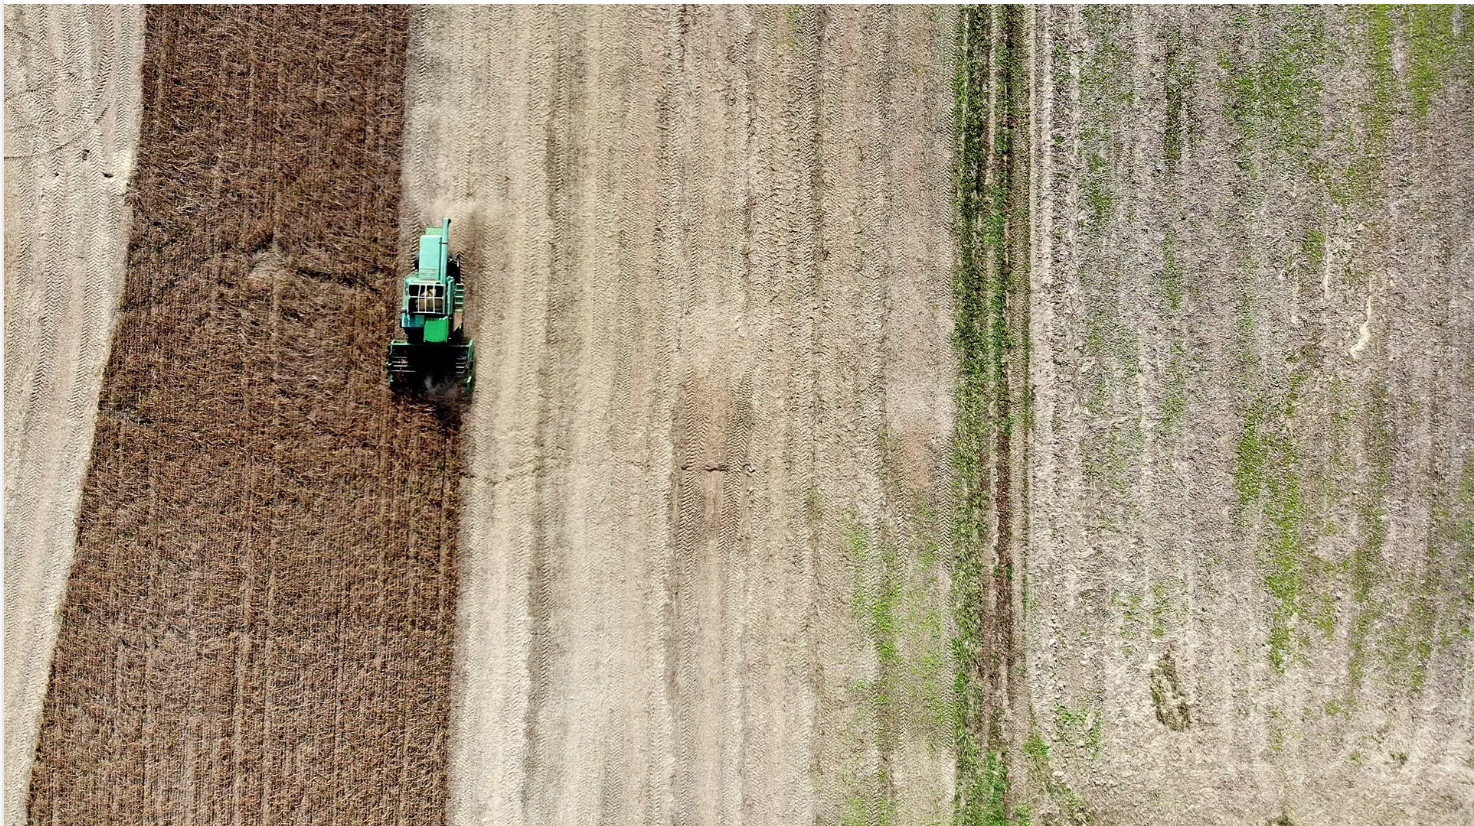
(258, 623)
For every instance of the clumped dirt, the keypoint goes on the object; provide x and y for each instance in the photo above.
(71, 123)
(257, 627)
(1168, 699)
(1253, 407)
(706, 521)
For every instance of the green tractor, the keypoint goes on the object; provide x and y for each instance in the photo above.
(434, 358)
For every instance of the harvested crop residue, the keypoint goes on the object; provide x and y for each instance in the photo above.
(257, 625)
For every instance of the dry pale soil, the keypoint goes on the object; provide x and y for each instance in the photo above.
(710, 263)
(1250, 555)
(71, 125)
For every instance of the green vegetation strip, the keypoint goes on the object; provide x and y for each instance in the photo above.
(990, 296)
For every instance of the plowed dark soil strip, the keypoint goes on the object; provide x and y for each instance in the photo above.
(258, 624)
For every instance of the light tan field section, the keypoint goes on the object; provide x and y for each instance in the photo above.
(1250, 574)
(705, 521)
(71, 127)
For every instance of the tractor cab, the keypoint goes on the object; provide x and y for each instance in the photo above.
(425, 316)
(424, 298)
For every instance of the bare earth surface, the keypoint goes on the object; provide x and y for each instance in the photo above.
(71, 125)
(1252, 517)
(703, 536)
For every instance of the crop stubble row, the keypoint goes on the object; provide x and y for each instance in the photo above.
(258, 621)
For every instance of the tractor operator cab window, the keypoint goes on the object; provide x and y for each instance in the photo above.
(427, 299)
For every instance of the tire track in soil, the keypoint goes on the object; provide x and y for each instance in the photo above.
(256, 625)
(691, 308)
(71, 101)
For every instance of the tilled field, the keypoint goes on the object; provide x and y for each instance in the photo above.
(258, 622)
(708, 454)
(1248, 593)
